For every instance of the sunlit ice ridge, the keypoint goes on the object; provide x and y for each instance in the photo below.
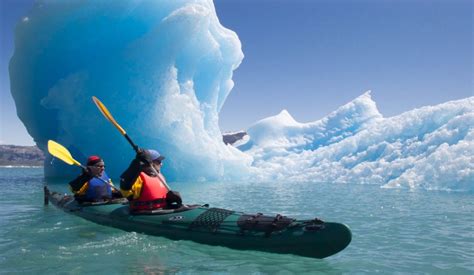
(428, 148)
(164, 70)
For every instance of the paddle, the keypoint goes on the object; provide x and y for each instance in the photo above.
(110, 118)
(60, 152)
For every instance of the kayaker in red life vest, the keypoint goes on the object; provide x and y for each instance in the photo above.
(94, 184)
(144, 185)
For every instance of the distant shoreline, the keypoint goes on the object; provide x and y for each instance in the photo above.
(16, 156)
(20, 166)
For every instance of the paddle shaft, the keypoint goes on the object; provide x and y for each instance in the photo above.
(135, 147)
(106, 113)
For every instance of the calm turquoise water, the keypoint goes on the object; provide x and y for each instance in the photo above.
(394, 231)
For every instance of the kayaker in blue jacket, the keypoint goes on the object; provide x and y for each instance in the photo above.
(93, 184)
(144, 185)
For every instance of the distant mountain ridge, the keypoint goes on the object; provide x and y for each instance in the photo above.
(15, 155)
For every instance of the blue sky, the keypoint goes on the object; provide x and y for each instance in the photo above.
(310, 57)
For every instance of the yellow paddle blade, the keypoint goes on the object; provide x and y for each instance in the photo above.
(61, 153)
(107, 114)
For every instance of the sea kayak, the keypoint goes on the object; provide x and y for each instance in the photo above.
(216, 226)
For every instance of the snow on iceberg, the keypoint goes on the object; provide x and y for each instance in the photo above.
(431, 147)
(163, 68)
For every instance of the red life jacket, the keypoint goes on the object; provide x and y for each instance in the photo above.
(152, 195)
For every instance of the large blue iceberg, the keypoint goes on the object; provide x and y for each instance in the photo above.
(164, 70)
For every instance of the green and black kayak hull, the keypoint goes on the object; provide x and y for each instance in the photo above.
(215, 226)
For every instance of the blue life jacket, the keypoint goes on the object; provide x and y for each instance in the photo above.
(99, 188)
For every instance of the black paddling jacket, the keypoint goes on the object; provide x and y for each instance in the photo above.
(78, 185)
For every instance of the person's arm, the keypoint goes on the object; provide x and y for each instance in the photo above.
(78, 183)
(128, 178)
(130, 181)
